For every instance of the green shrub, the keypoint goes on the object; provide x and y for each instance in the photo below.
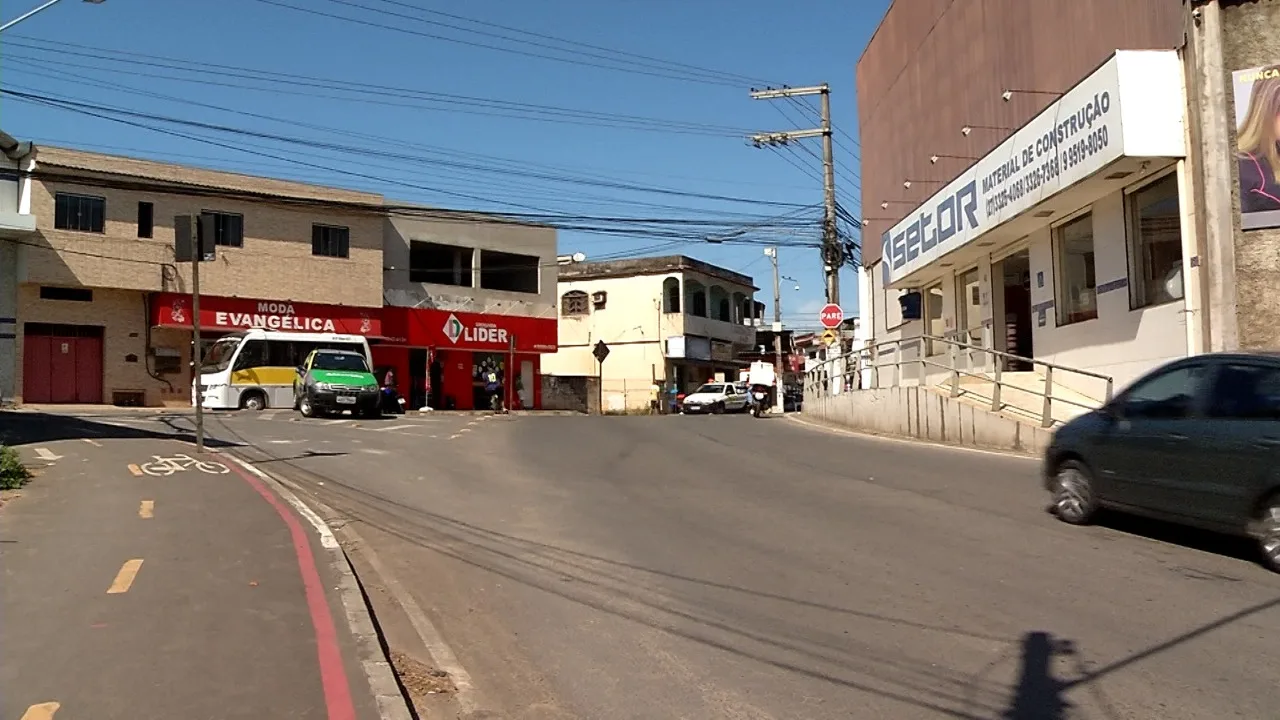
(13, 474)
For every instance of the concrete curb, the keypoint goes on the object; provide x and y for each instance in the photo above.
(845, 430)
(390, 701)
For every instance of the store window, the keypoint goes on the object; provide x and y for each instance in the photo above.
(1155, 244)
(969, 304)
(933, 323)
(508, 272)
(1077, 285)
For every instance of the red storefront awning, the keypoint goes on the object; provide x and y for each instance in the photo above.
(429, 327)
(221, 313)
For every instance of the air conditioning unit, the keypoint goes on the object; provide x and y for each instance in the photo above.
(598, 298)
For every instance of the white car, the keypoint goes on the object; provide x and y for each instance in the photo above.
(716, 398)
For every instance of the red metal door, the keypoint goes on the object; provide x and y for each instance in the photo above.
(88, 376)
(62, 366)
(36, 366)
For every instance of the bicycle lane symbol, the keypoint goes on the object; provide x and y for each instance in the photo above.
(161, 466)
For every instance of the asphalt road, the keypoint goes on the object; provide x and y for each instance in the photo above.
(731, 567)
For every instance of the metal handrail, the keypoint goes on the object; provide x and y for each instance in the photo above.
(820, 374)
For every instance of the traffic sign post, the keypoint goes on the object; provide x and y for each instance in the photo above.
(600, 351)
(831, 316)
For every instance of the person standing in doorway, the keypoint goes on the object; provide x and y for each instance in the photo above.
(493, 386)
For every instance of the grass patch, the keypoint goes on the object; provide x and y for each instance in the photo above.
(13, 474)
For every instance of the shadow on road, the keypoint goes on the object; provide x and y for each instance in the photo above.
(1203, 540)
(29, 428)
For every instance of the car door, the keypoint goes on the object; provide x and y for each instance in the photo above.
(1145, 456)
(300, 379)
(1239, 442)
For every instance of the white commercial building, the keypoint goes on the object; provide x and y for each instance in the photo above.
(1070, 243)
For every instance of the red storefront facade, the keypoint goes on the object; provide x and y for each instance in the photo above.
(440, 356)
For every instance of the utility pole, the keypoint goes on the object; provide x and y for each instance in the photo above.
(779, 402)
(832, 252)
(195, 335)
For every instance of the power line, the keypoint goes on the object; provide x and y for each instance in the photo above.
(132, 118)
(288, 83)
(474, 44)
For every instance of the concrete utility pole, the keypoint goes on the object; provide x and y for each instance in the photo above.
(772, 252)
(832, 253)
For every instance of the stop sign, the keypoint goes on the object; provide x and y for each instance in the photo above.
(831, 316)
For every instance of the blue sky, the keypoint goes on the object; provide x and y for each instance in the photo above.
(76, 51)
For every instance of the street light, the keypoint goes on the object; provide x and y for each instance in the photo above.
(29, 13)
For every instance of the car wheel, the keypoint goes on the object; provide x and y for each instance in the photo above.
(718, 408)
(1269, 533)
(1074, 501)
(253, 401)
(306, 407)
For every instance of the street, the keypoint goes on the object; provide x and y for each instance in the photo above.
(667, 567)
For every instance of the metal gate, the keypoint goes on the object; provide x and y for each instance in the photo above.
(61, 363)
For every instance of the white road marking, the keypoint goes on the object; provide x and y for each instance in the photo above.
(285, 442)
(382, 681)
(47, 455)
(394, 427)
(373, 451)
(454, 436)
(92, 442)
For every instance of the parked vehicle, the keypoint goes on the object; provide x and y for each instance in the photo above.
(715, 398)
(336, 380)
(255, 369)
(1195, 442)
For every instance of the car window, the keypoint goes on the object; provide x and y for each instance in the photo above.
(1166, 396)
(336, 361)
(710, 389)
(1246, 392)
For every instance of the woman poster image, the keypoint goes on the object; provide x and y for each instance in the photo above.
(1257, 98)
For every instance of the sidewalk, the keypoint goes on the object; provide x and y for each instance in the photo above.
(136, 588)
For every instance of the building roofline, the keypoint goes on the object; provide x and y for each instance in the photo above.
(661, 265)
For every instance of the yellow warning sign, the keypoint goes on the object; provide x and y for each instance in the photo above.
(829, 337)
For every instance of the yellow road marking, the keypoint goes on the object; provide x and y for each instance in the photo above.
(133, 468)
(147, 509)
(43, 711)
(124, 578)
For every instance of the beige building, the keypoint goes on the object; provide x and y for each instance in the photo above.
(102, 310)
(665, 320)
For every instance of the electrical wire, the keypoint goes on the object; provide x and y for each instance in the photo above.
(219, 75)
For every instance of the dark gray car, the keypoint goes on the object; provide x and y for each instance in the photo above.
(1195, 442)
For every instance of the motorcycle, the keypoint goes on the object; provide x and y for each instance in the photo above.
(759, 400)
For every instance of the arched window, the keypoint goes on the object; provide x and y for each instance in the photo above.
(720, 303)
(671, 295)
(574, 302)
(696, 296)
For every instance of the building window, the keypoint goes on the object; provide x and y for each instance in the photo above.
(969, 304)
(671, 295)
(1076, 287)
(1155, 244)
(574, 302)
(440, 264)
(81, 213)
(330, 241)
(508, 272)
(63, 293)
(146, 219)
(228, 228)
(933, 323)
